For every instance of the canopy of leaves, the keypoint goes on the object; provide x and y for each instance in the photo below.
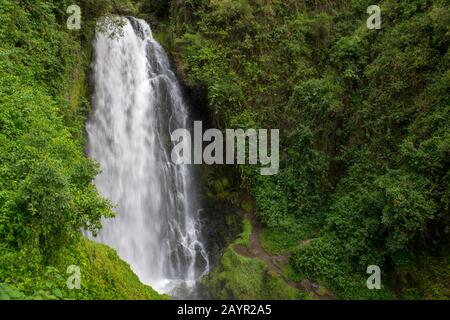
(364, 118)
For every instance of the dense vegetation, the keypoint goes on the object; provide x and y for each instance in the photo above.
(247, 278)
(240, 277)
(364, 119)
(46, 190)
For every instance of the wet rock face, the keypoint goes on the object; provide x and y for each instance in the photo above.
(220, 218)
(223, 227)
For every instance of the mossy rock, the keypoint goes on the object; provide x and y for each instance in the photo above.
(109, 277)
(104, 275)
(242, 278)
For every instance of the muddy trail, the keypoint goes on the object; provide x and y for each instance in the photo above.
(276, 262)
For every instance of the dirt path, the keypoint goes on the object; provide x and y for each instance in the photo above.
(275, 262)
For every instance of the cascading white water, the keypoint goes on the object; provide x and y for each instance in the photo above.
(137, 104)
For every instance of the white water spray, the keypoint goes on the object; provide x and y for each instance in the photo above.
(137, 104)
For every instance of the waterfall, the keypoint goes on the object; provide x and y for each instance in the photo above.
(137, 103)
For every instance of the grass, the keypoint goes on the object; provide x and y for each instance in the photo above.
(103, 276)
(277, 242)
(244, 238)
(238, 277)
(109, 277)
(285, 240)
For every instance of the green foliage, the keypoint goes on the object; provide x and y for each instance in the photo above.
(363, 117)
(238, 277)
(46, 190)
(244, 238)
(430, 277)
(279, 241)
(103, 276)
(408, 208)
(324, 259)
